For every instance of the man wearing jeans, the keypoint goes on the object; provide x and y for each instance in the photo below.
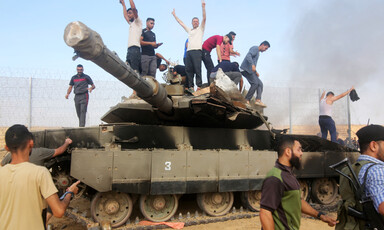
(80, 81)
(249, 72)
(194, 55)
(325, 119)
(135, 27)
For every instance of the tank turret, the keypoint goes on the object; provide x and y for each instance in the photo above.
(218, 106)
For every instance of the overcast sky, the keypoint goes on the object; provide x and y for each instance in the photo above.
(326, 44)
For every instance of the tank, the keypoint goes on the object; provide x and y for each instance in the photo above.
(165, 143)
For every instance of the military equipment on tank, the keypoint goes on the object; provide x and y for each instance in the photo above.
(166, 144)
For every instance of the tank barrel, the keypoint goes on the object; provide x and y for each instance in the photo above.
(89, 45)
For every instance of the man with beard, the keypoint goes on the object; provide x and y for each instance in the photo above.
(370, 170)
(281, 204)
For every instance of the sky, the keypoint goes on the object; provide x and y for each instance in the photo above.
(325, 44)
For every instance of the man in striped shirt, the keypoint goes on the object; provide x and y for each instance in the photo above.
(371, 141)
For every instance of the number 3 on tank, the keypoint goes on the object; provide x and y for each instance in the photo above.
(168, 165)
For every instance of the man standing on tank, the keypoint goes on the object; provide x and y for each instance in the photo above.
(281, 204)
(325, 116)
(80, 81)
(135, 31)
(249, 72)
(210, 44)
(148, 46)
(194, 53)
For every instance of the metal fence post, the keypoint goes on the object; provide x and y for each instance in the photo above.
(30, 104)
(290, 110)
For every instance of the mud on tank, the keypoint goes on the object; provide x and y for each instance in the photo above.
(164, 144)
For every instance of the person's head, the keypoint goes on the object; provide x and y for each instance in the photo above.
(330, 94)
(233, 35)
(18, 138)
(371, 141)
(163, 67)
(150, 23)
(227, 38)
(195, 22)
(131, 15)
(264, 46)
(289, 149)
(79, 69)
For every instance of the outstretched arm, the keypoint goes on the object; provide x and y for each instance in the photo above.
(62, 148)
(204, 13)
(307, 209)
(162, 57)
(125, 13)
(59, 206)
(322, 96)
(179, 21)
(342, 95)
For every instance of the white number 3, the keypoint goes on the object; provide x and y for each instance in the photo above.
(168, 165)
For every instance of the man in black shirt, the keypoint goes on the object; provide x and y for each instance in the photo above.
(148, 46)
(80, 81)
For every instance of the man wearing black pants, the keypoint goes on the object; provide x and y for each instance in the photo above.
(194, 55)
(80, 81)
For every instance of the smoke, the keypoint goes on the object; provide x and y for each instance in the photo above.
(338, 44)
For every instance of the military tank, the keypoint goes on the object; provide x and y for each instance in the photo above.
(165, 143)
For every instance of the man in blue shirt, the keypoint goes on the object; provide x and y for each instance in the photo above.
(371, 140)
(249, 72)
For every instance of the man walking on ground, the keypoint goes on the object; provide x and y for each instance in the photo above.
(134, 37)
(40, 155)
(27, 188)
(81, 81)
(210, 44)
(325, 118)
(281, 205)
(249, 72)
(369, 169)
(148, 46)
(194, 55)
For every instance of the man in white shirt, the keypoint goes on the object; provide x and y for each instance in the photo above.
(194, 52)
(135, 30)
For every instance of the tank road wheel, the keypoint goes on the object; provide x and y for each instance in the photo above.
(158, 208)
(115, 207)
(215, 203)
(251, 200)
(304, 190)
(324, 190)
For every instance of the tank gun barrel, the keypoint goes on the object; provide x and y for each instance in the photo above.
(89, 45)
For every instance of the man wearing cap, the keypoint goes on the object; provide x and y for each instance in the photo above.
(371, 141)
(325, 118)
(210, 44)
(80, 82)
(26, 189)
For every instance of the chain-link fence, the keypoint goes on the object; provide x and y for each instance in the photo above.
(40, 102)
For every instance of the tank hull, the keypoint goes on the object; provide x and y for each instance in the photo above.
(153, 159)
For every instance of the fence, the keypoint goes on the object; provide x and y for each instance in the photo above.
(40, 102)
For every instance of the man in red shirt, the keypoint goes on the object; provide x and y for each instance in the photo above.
(209, 44)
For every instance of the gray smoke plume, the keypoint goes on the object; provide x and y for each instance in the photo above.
(339, 44)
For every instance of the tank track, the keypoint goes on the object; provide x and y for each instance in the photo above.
(188, 218)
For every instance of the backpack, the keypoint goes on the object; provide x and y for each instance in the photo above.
(357, 211)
